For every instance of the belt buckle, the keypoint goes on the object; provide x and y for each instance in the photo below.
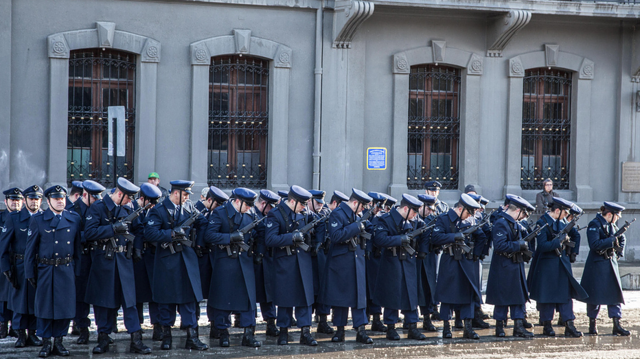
(120, 249)
(58, 261)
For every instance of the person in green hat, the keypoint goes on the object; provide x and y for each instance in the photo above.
(154, 179)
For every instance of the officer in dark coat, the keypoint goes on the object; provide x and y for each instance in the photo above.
(111, 278)
(319, 238)
(92, 192)
(214, 198)
(143, 260)
(233, 287)
(76, 193)
(396, 287)
(337, 198)
(551, 282)
(433, 189)
(457, 286)
(345, 282)
(51, 264)
(373, 254)
(293, 272)
(389, 203)
(483, 251)
(601, 278)
(427, 264)
(263, 262)
(176, 278)
(13, 242)
(507, 284)
(13, 200)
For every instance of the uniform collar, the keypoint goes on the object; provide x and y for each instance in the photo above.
(111, 206)
(453, 216)
(347, 210)
(24, 214)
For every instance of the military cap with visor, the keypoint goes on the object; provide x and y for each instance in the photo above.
(283, 194)
(429, 201)
(433, 185)
(560, 202)
(613, 207)
(340, 196)
(520, 202)
(127, 187)
(299, 194)
(33, 192)
(411, 202)
(245, 195)
(217, 194)
(13, 193)
(377, 198)
(269, 196)
(77, 184)
(469, 203)
(55, 192)
(360, 196)
(391, 201)
(182, 185)
(318, 195)
(150, 192)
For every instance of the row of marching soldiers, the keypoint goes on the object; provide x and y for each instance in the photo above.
(357, 254)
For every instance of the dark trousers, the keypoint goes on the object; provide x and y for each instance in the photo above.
(547, 310)
(373, 308)
(82, 315)
(391, 316)
(303, 315)
(222, 318)
(48, 328)
(167, 314)
(341, 314)
(153, 312)
(24, 321)
(104, 319)
(615, 311)
(5, 313)
(268, 310)
(517, 311)
(466, 310)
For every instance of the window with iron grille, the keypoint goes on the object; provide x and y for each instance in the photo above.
(546, 128)
(238, 121)
(434, 126)
(99, 79)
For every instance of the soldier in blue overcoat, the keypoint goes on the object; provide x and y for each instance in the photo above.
(263, 262)
(457, 286)
(507, 283)
(111, 278)
(345, 282)
(13, 200)
(176, 278)
(373, 254)
(13, 242)
(551, 282)
(233, 287)
(143, 259)
(427, 264)
(51, 264)
(293, 272)
(75, 194)
(433, 189)
(92, 192)
(396, 287)
(601, 278)
(319, 239)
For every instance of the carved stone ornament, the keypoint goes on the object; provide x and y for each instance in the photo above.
(438, 49)
(106, 33)
(283, 57)
(58, 47)
(587, 70)
(201, 55)
(515, 68)
(243, 40)
(551, 54)
(475, 65)
(503, 28)
(348, 17)
(151, 51)
(401, 65)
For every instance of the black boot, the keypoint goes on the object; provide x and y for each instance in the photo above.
(224, 338)
(22, 339)
(83, 338)
(477, 322)
(58, 348)
(339, 336)
(103, 344)
(392, 334)
(74, 329)
(519, 330)
(593, 326)
(32, 339)
(294, 322)
(236, 321)
(362, 337)
(547, 329)
(214, 333)
(283, 338)
(561, 323)
(272, 329)
(446, 330)
(166, 338)
(4, 330)
(500, 328)
(46, 348)
(307, 338)
(137, 346)
(570, 330)
(193, 341)
(618, 329)
(377, 325)
(457, 323)
(526, 324)
(435, 316)
(405, 324)
(468, 330)
(414, 333)
(157, 333)
(323, 326)
(427, 325)
(12, 332)
(481, 314)
(249, 339)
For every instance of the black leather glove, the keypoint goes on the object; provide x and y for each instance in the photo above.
(236, 237)
(524, 246)
(33, 282)
(572, 257)
(422, 255)
(120, 227)
(459, 237)
(7, 274)
(405, 239)
(298, 237)
(137, 255)
(199, 252)
(178, 233)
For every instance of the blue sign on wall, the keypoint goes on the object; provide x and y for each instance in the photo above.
(376, 158)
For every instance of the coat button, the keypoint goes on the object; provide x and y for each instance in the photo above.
(56, 242)
(68, 242)
(56, 253)
(68, 230)
(53, 230)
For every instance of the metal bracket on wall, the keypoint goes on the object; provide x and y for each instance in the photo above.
(348, 16)
(503, 29)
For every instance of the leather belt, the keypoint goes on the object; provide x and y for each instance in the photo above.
(18, 256)
(56, 261)
(116, 249)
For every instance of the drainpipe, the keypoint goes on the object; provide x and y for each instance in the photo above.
(317, 110)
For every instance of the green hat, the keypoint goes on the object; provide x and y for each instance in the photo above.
(153, 175)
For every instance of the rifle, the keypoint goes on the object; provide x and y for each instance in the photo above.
(246, 229)
(130, 218)
(185, 225)
(566, 242)
(416, 232)
(525, 256)
(363, 235)
(620, 232)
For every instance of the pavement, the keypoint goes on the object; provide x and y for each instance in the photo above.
(604, 345)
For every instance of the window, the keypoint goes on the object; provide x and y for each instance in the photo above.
(546, 128)
(238, 121)
(99, 79)
(434, 126)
